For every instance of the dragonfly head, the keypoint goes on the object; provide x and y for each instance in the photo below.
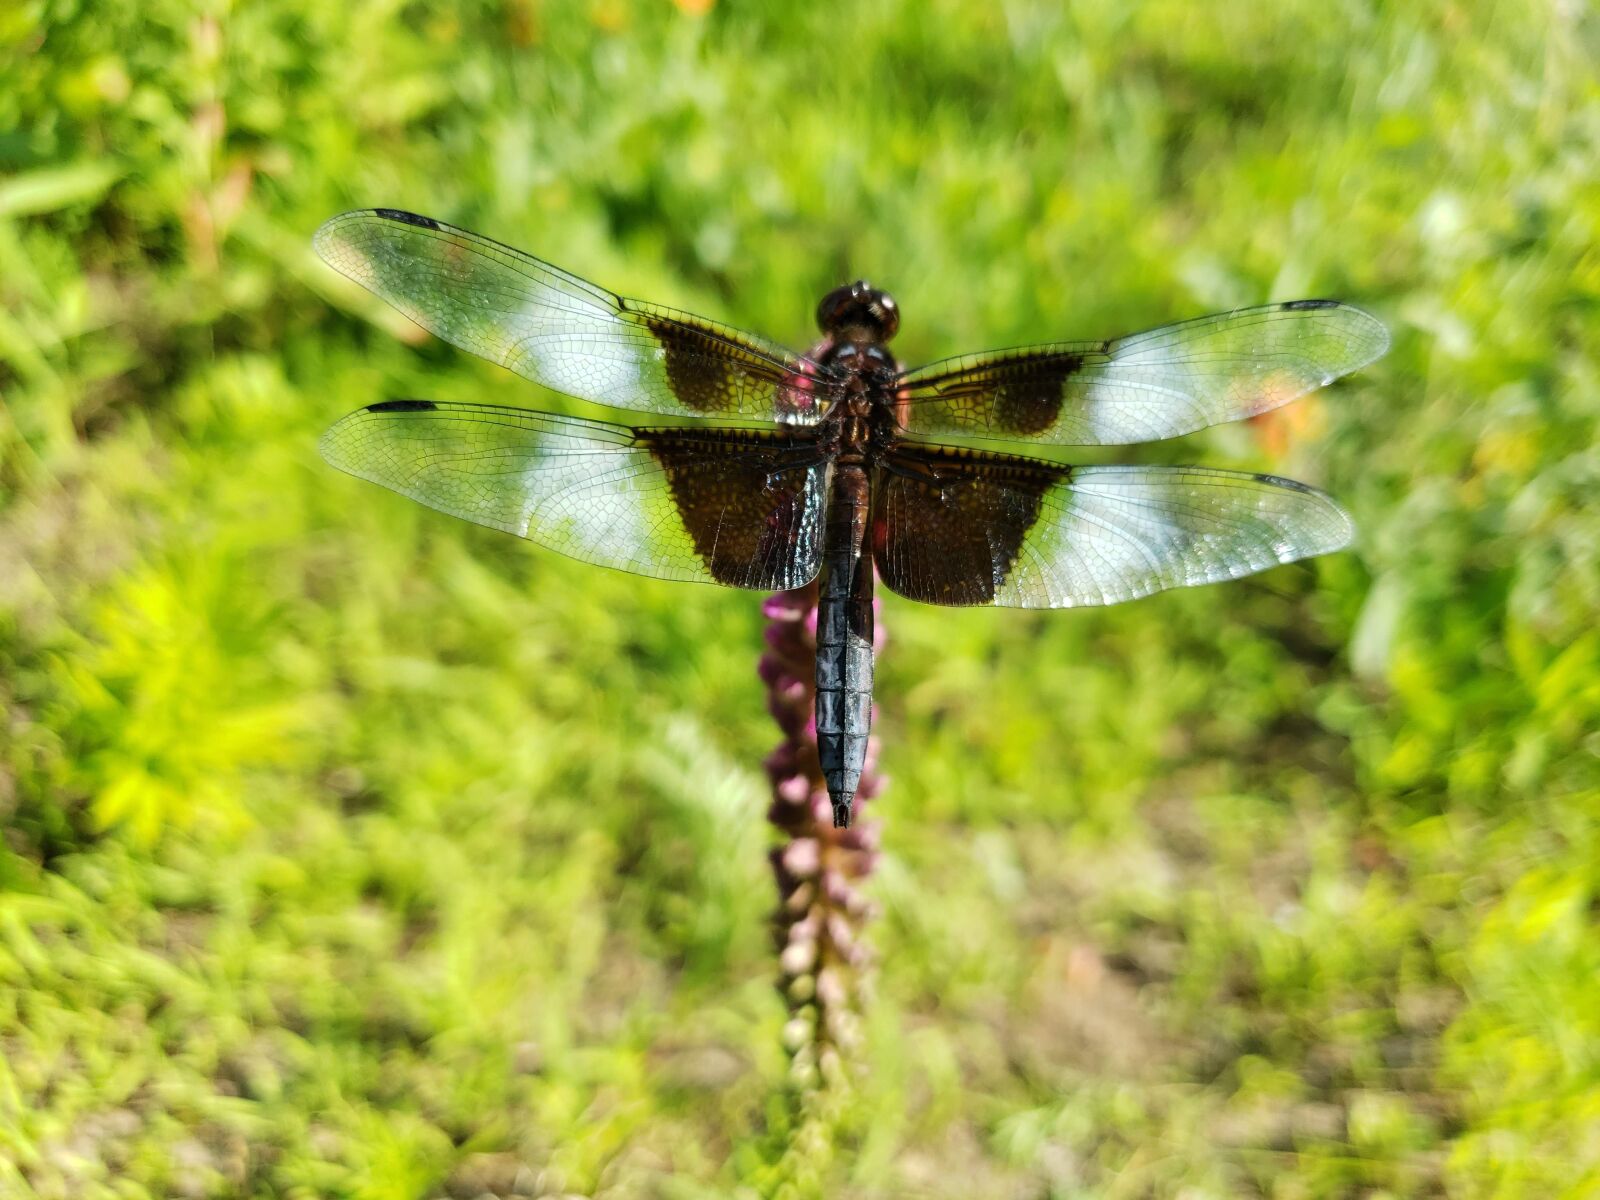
(859, 312)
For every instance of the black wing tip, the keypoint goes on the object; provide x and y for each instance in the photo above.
(1379, 331)
(399, 215)
(1294, 485)
(405, 218)
(333, 450)
(1347, 526)
(336, 451)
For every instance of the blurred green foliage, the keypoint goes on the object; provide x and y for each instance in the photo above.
(350, 851)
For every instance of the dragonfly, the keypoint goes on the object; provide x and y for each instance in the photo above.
(829, 465)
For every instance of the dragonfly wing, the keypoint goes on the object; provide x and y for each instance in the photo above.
(1160, 384)
(564, 332)
(740, 507)
(962, 527)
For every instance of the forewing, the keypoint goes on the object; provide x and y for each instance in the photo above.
(562, 331)
(1159, 384)
(968, 528)
(731, 506)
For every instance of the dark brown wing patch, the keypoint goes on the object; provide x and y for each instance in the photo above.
(750, 501)
(948, 523)
(699, 370)
(1008, 394)
(1029, 393)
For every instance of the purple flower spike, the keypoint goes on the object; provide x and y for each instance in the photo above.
(825, 962)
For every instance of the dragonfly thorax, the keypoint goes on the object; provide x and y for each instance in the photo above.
(871, 361)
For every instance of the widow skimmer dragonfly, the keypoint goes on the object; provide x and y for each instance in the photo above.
(832, 472)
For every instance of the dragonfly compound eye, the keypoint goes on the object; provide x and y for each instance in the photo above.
(860, 312)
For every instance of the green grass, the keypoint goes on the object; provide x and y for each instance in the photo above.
(351, 851)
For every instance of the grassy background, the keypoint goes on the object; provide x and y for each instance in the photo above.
(352, 851)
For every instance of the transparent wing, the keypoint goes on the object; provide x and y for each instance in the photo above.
(966, 528)
(731, 506)
(562, 331)
(1160, 384)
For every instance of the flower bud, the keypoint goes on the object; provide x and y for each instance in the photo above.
(831, 991)
(798, 957)
(802, 858)
(798, 1030)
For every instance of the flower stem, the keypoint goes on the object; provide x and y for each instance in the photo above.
(825, 964)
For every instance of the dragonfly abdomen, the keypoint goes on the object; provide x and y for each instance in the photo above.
(844, 641)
